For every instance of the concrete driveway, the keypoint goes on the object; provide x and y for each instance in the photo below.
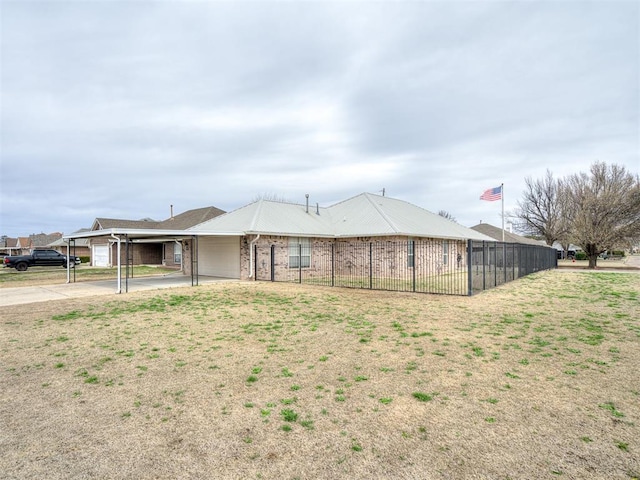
(44, 293)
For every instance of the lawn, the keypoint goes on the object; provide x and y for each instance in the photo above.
(9, 277)
(536, 379)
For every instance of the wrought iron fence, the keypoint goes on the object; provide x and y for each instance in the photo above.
(495, 263)
(425, 266)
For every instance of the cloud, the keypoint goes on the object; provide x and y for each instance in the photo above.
(123, 108)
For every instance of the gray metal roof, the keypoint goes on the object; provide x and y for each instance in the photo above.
(365, 215)
(496, 234)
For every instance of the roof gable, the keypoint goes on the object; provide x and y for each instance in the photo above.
(23, 242)
(191, 218)
(106, 223)
(178, 222)
(269, 217)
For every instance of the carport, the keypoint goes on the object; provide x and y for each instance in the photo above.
(125, 239)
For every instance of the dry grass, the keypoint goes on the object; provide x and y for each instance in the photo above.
(536, 379)
(10, 278)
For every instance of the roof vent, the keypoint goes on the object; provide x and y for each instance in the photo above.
(307, 197)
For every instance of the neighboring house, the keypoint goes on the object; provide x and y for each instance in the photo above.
(42, 240)
(570, 253)
(8, 245)
(301, 233)
(80, 247)
(24, 245)
(154, 251)
(496, 233)
(103, 249)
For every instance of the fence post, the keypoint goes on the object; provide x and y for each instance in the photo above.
(504, 261)
(469, 260)
(333, 272)
(273, 263)
(413, 267)
(495, 264)
(484, 263)
(370, 265)
(299, 263)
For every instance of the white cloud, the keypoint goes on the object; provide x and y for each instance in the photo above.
(147, 104)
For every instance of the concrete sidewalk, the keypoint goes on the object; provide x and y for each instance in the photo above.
(44, 293)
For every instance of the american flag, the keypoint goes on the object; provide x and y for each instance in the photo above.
(492, 194)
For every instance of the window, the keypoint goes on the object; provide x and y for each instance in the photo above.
(299, 253)
(177, 253)
(445, 252)
(411, 257)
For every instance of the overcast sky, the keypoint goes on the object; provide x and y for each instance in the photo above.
(121, 108)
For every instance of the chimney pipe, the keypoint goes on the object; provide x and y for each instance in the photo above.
(317, 208)
(171, 212)
(307, 197)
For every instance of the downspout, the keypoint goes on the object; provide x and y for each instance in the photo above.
(253, 242)
(119, 288)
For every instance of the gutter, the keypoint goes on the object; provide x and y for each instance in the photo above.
(253, 242)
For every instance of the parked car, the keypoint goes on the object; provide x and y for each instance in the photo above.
(39, 258)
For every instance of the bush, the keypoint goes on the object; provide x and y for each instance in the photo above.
(581, 256)
(86, 259)
(618, 253)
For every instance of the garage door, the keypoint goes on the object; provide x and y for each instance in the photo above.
(219, 256)
(100, 255)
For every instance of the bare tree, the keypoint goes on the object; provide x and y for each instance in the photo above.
(272, 197)
(447, 215)
(542, 211)
(605, 208)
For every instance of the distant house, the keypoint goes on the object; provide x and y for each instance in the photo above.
(42, 240)
(509, 237)
(23, 246)
(81, 247)
(153, 252)
(8, 245)
(570, 253)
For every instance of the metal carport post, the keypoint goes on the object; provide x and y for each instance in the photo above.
(194, 260)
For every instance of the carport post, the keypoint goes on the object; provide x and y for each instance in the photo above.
(119, 287)
(194, 260)
(68, 266)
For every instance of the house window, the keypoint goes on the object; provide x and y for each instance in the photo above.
(299, 253)
(177, 253)
(411, 257)
(445, 252)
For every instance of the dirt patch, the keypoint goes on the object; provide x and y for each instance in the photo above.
(535, 379)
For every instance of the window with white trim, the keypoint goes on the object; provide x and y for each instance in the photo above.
(299, 252)
(177, 253)
(445, 252)
(411, 253)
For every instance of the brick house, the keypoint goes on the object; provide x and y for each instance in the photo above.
(299, 237)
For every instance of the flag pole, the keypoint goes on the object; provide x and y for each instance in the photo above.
(502, 196)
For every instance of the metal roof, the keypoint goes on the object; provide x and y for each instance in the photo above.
(363, 215)
(496, 234)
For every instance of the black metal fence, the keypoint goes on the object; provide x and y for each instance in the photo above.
(426, 266)
(495, 263)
